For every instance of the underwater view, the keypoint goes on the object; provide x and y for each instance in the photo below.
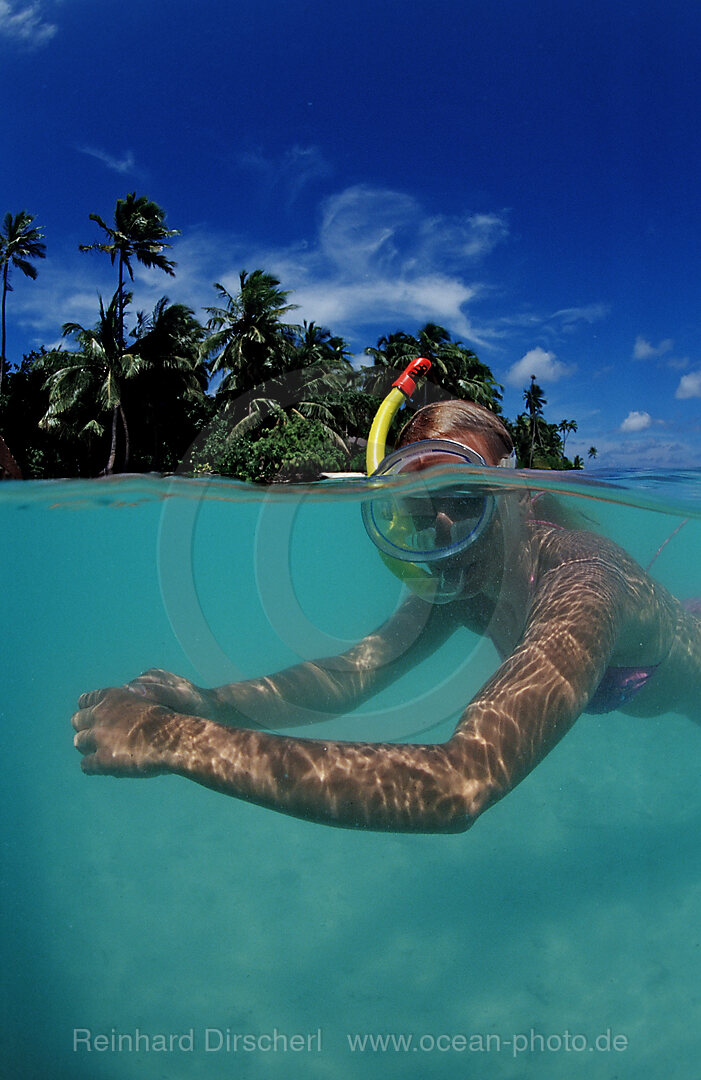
(157, 929)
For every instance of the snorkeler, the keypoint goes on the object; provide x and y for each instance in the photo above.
(578, 624)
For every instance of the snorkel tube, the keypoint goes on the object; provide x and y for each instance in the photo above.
(416, 577)
(402, 389)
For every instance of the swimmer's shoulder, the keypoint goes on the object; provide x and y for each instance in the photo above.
(553, 547)
(650, 611)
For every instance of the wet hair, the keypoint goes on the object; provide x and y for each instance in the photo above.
(455, 420)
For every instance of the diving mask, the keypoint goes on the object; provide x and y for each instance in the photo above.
(427, 524)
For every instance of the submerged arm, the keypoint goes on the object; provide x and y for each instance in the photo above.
(512, 723)
(314, 690)
(536, 695)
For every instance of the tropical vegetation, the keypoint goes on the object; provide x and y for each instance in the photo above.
(244, 392)
(20, 241)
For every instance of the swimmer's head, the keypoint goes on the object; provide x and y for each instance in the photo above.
(462, 422)
(425, 532)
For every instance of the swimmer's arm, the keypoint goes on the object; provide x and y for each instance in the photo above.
(312, 691)
(510, 726)
(577, 618)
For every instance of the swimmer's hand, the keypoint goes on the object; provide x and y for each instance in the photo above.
(174, 692)
(121, 734)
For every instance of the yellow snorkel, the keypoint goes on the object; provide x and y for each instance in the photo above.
(401, 391)
(414, 576)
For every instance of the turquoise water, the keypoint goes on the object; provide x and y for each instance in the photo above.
(572, 910)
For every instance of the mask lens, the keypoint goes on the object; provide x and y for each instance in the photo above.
(427, 525)
(445, 519)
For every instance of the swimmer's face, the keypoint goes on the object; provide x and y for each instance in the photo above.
(471, 566)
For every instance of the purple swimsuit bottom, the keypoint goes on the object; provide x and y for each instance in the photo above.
(620, 684)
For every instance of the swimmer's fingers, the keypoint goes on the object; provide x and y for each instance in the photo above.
(154, 683)
(91, 697)
(172, 691)
(121, 735)
(157, 675)
(82, 719)
(150, 685)
(84, 741)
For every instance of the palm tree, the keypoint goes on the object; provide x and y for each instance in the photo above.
(20, 241)
(566, 427)
(535, 401)
(467, 377)
(249, 340)
(90, 381)
(316, 345)
(139, 232)
(592, 452)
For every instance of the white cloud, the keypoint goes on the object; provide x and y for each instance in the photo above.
(644, 350)
(378, 257)
(25, 24)
(554, 327)
(689, 385)
(636, 421)
(365, 230)
(424, 299)
(544, 365)
(591, 313)
(463, 238)
(390, 230)
(125, 164)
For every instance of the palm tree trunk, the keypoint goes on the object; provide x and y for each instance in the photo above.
(126, 434)
(3, 360)
(113, 448)
(120, 302)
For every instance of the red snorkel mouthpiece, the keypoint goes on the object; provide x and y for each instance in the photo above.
(417, 369)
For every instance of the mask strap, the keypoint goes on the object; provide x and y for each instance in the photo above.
(508, 462)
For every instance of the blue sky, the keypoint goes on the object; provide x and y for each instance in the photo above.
(525, 173)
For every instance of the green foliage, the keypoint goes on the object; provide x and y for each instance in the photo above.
(153, 392)
(454, 367)
(538, 443)
(293, 449)
(249, 341)
(166, 403)
(39, 454)
(89, 382)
